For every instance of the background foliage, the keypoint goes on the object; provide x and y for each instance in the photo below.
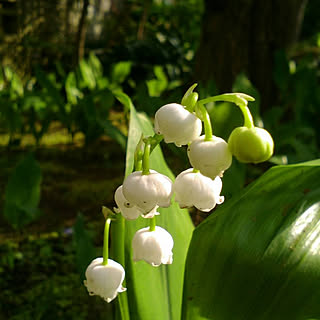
(64, 123)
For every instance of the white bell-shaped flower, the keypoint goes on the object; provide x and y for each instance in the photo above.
(104, 280)
(194, 189)
(146, 191)
(177, 124)
(154, 247)
(129, 211)
(212, 157)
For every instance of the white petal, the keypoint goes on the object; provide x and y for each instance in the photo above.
(210, 157)
(194, 189)
(128, 211)
(154, 247)
(148, 191)
(104, 280)
(177, 124)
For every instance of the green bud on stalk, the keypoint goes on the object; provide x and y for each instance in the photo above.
(252, 145)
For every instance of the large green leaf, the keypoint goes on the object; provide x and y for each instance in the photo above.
(154, 292)
(258, 256)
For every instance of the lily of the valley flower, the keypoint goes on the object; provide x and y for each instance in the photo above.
(104, 280)
(146, 191)
(211, 157)
(129, 211)
(177, 124)
(194, 189)
(154, 247)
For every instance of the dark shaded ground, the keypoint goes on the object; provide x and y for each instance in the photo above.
(39, 278)
(73, 180)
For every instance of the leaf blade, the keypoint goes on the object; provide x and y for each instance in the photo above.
(259, 268)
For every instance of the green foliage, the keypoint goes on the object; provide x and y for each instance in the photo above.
(257, 256)
(81, 101)
(39, 280)
(22, 193)
(293, 121)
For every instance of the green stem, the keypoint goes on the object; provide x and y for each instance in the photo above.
(145, 159)
(195, 170)
(240, 99)
(152, 224)
(118, 254)
(106, 242)
(138, 162)
(206, 122)
(248, 120)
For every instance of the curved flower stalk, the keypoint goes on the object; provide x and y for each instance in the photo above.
(129, 211)
(177, 124)
(105, 280)
(194, 189)
(211, 157)
(154, 247)
(146, 191)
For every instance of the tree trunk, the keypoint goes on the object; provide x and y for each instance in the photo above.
(81, 34)
(242, 36)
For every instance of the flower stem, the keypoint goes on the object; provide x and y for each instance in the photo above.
(145, 159)
(240, 99)
(152, 224)
(106, 242)
(248, 120)
(206, 122)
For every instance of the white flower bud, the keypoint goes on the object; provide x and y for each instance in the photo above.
(154, 247)
(212, 157)
(104, 280)
(177, 124)
(129, 211)
(194, 189)
(147, 191)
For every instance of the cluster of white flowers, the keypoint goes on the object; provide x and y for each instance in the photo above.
(144, 191)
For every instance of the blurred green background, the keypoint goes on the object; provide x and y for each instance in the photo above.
(63, 132)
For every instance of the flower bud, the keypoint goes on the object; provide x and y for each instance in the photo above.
(154, 247)
(177, 124)
(104, 280)
(251, 144)
(212, 157)
(129, 211)
(194, 189)
(147, 191)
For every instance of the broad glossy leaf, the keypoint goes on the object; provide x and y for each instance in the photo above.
(154, 292)
(258, 256)
(22, 193)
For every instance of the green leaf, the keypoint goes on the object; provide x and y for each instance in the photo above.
(120, 71)
(162, 284)
(22, 194)
(95, 65)
(85, 250)
(257, 257)
(72, 91)
(158, 85)
(87, 74)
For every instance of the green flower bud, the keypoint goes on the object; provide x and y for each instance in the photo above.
(251, 144)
